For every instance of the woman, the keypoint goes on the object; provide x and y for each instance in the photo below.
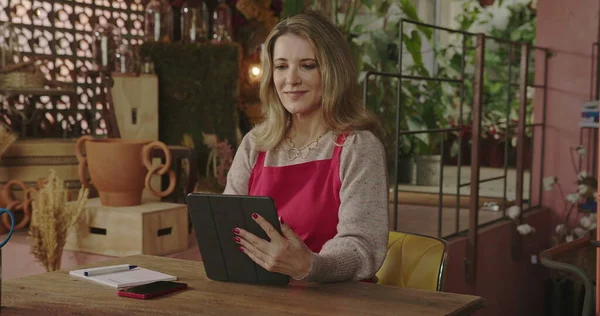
(317, 156)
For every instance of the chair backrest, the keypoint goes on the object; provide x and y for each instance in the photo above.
(414, 261)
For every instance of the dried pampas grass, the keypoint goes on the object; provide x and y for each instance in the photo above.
(52, 217)
(7, 138)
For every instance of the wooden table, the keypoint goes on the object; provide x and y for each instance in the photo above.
(58, 293)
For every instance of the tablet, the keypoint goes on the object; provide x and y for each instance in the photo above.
(214, 216)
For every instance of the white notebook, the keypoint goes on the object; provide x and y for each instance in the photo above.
(124, 279)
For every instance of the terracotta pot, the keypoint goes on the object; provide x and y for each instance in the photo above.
(120, 169)
(8, 201)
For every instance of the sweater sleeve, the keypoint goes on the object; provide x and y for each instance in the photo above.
(360, 246)
(241, 168)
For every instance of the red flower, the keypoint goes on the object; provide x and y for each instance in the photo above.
(177, 3)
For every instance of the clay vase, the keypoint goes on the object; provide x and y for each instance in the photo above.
(8, 201)
(120, 169)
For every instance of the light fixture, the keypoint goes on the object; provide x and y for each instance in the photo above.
(254, 72)
(254, 65)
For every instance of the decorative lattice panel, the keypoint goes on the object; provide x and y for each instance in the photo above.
(60, 31)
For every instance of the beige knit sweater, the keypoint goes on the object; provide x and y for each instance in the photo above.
(358, 249)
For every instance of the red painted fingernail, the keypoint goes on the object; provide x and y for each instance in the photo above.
(281, 220)
(236, 231)
(254, 215)
(237, 239)
(241, 249)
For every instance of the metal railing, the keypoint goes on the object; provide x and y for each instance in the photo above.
(477, 106)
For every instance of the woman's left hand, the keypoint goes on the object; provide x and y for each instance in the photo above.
(285, 254)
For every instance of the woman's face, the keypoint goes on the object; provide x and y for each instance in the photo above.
(296, 74)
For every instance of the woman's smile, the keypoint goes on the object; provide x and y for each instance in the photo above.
(295, 95)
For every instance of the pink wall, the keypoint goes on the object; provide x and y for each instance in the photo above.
(516, 287)
(568, 29)
(511, 287)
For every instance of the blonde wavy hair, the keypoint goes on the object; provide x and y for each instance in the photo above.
(343, 110)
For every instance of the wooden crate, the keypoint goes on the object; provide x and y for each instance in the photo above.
(153, 228)
(30, 160)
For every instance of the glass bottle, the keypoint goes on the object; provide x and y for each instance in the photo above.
(124, 61)
(147, 66)
(221, 20)
(9, 53)
(107, 39)
(158, 21)
(194, 22)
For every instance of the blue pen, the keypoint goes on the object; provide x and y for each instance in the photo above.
(110, 269)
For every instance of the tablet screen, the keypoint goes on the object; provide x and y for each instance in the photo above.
(214, 216)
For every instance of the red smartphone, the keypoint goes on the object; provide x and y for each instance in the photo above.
(151, 290)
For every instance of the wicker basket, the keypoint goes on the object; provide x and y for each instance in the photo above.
(23, 76)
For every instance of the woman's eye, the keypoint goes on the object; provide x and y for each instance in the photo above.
(279, 67)
(309, 66)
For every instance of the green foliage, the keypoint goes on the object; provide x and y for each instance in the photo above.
(292, 7)
(427, 104)
(378, 44)
(198, 92)
(509, 20)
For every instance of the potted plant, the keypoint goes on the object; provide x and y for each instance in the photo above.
(579, 213)
(373, 41)
(431, 114)
(460, 139)
(578, 220)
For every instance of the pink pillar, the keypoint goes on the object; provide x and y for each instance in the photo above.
(568, 29)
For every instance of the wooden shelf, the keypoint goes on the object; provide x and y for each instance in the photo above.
(39, 92)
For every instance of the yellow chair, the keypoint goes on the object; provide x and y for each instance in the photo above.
(414, 261)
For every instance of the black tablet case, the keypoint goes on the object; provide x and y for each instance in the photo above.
(214, 216)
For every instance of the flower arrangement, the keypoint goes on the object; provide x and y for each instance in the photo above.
(219, 159)
(219, 162)
(582, 200)
(52, 217)
(259, 10)
(513, 213)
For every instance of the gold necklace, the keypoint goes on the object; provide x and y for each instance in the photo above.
(296, 152)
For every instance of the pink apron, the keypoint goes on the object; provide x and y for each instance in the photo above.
(307, 195)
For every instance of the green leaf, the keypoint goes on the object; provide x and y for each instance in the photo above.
(413, 45)
(380, 42)
(414, 124)
(367, 3)
(292, 7)
(411, 13)
(357, 29)
(383, 8)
